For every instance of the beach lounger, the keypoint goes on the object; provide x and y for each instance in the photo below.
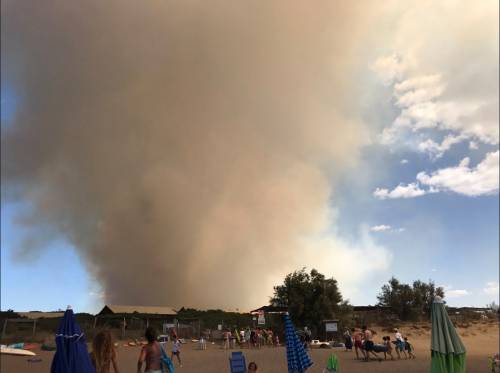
(237, 362)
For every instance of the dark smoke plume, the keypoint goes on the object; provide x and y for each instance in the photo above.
(185, 148)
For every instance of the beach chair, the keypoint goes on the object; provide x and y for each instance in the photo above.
(237, 362)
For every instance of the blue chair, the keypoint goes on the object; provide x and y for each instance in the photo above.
(237, 362)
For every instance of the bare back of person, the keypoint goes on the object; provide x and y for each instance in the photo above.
(151, 355)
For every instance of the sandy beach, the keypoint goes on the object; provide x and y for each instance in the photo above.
(481, 341)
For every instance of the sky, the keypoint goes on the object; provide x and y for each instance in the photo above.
(139, 164)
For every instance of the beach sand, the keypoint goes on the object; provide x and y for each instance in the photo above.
(481, 341)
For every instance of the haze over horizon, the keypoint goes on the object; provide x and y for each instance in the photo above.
(193, 154)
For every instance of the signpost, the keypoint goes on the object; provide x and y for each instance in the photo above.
(261, 320)
(331, 329)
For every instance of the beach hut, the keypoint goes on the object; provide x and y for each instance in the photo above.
(447, 350)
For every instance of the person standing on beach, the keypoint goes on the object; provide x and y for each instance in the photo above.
(150, 353)
(348, 340)
(103, 353)
(358, 344)
(388, 347)
(409, 348)
(400, 344)
(176, 351)
(369, 345)
(227, 338)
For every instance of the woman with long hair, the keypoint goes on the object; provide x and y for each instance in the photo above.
(103, 353)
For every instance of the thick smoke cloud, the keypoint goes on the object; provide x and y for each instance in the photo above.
(186, 149)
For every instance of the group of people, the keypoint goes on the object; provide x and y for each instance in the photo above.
(103, 355)
(251, 338)
(363, 343)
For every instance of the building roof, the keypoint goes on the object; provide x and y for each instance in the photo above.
(371, 308)
(152, 310)
(270, 309)
(33, 315)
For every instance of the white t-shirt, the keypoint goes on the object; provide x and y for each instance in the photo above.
(177, 346)
(398, 336)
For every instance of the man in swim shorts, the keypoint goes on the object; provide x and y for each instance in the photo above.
(358, 344)
(369, 344)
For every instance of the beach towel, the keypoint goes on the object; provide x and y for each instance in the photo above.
(166, 364)
(332, 364)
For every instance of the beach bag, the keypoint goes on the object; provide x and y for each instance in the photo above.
(166, 364)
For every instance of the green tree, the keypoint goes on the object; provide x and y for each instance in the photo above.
(310, 298)
(409, 302)
(424, 294)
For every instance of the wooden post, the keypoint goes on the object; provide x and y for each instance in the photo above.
(4, 328)
(34, 327)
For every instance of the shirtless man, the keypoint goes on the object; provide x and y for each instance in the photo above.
(358, 344)
(369, 344)
(150, 354)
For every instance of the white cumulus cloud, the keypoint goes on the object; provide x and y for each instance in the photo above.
(401, 191)
(380, 228)
(452, 92)
(470, 181)
(385, 228)
(462, 179)
(492, 288)
(437, 150)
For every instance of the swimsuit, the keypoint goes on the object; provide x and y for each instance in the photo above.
(369, 345)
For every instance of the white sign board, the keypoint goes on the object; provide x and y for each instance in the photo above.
(219, 327)
(262, 319)
(331, 326)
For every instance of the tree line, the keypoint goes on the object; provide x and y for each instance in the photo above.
(311, 297)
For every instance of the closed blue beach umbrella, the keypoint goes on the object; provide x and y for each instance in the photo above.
(71, 355)
(297, 358)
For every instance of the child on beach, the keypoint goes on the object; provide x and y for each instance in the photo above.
(409, 348)
(276, 340)
(103, 353)
(388, 346)
(176, 351)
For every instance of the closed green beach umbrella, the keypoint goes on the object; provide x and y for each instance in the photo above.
(447, 350)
